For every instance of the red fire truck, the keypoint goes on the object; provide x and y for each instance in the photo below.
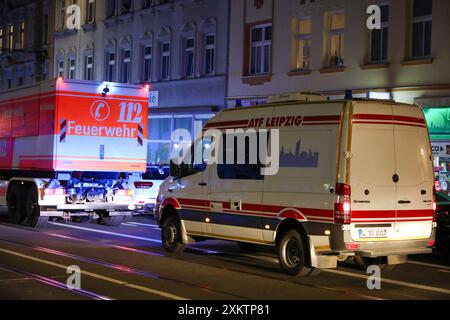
(66, 148)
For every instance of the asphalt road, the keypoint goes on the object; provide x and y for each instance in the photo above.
(128, 262)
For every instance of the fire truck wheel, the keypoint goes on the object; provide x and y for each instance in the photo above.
(291, 254)
(113, 221)
(364, 262)
(248, 247)
(14, 205)
(171, 235)
(31, 210)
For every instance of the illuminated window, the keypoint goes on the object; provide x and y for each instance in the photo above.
(165, 60)
(380, 37)
(302, 43)
(260, 49)
(336, 23)
(1, 39)
(421, 28)
(189, 57)
(147, 63)
(89, 67)
(10, 37)
(90, 11)
(210, 54)
(22, 35)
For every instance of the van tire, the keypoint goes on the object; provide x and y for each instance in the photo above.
(171, 235)
(364, 262)
(15, 201)
(248, 247)
(31, 210)
(291, 254)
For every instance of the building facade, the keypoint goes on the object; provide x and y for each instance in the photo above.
(26, 42)
(325, 46)
(179, 46)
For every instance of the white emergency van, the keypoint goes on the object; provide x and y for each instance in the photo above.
(355, 179)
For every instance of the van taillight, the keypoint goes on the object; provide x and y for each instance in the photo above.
(434, 204)
(342, 206)
(143, 184)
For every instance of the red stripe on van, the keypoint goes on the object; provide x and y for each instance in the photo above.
(396, 123)
(388, 118)
(322, 118)
(391, 214)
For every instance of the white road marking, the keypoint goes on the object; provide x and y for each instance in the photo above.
(106, 232)
(128, 224)
(273, 260)
(390, 281)
(98, 276)
(143, 224)
(428, 264)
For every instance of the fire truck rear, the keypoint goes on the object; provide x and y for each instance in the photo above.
(67, 147)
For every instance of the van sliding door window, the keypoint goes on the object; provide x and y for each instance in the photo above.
(230, 168)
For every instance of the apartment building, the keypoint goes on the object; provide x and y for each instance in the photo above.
(325, 46)
(178, 46)
(26, 42)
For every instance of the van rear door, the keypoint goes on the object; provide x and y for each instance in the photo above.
(372, 167)
(415, 174)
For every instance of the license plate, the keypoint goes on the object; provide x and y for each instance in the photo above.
(373, 233)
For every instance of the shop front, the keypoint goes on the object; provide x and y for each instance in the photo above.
(438, 120)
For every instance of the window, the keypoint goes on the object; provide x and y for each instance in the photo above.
(260, 49)
(72, 64)
(421, 28)
(60, 66)
(45, 30)
(10, 37)
(126, 66)
(1, 39)
(336, 39)
(165, 60)
(22, 35)
(250, 169)
(303, 44)
(111, 8)
(90, 11)
(189, 57)
(210, 54)
(110, 67)
(379, 41)
(89, 67)
(126, 6)
(147, 63)
(62, 14)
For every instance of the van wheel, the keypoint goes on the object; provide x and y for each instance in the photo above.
(31, 210)
(113, 221)
(291, 254)
(364, 262)
(248, 247)
(171, 235)
(14, 205)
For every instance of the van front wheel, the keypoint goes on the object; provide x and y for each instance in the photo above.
(291, 254)
(171, 235)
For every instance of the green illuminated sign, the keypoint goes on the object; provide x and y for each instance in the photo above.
(438, 120)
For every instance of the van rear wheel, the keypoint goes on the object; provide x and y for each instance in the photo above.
(291, 254)
(171, 235)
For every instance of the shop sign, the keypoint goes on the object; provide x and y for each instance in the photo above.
(438, 120)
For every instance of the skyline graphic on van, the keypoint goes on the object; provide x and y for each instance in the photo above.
(299, 159)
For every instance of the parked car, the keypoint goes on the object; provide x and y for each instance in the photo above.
(443, 222)
(145, 187)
